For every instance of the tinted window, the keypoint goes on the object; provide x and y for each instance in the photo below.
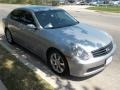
(28, 18)
(55, 19)
(22, 16)
(16, 14)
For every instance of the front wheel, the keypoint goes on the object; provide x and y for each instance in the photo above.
(58, 63)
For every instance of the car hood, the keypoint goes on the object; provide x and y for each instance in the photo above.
(83, 35)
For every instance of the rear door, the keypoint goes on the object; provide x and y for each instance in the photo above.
(19, 25)
(16, 26)
(20, 21)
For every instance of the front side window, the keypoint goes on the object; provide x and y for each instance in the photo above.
(55, 19)
(28, 18)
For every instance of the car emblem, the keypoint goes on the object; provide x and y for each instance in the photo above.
(107, 49)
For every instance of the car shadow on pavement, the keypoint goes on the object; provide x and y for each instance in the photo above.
(37, 62)
(75, 78)
(68, 86)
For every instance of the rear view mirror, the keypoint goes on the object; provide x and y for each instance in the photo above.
(32, 26)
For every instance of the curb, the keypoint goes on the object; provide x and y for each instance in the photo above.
(2, 86)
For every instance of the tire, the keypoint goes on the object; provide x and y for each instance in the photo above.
(60, 63)
(8, 36)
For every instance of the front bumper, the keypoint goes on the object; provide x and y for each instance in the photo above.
(82, 68)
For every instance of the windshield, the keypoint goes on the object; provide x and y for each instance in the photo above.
(55, 19)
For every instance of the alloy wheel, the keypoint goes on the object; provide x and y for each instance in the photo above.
(57, 63)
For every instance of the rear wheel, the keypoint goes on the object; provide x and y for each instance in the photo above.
(8, 36)
(58, 63)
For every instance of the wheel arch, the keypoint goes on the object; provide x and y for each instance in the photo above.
(52, 49)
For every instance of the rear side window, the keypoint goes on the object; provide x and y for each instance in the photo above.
(16, 15)
(22, 16)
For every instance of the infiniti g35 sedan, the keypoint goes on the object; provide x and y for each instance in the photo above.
(66, 45)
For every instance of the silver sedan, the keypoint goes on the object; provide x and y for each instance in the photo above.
(66, 45)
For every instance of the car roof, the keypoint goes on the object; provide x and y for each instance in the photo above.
(37, 8)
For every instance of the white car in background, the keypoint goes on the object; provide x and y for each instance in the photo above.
(80, 3)
(115, 2)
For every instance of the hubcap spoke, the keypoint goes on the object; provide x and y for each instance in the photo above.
(62, 64)
(61, 69)
(55, 56)
(58, 58)
(53, 61)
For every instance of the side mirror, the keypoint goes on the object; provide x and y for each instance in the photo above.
(32, 26)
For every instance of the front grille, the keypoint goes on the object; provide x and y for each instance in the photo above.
(102, 51)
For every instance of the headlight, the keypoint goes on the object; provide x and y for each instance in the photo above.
(81, 53)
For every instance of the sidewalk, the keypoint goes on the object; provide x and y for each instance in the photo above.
(2, 86)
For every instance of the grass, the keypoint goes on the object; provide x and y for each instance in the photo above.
(17, 76)
(106, 8)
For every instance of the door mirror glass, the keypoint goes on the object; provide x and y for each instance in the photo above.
(32, 26)
(48, 26)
